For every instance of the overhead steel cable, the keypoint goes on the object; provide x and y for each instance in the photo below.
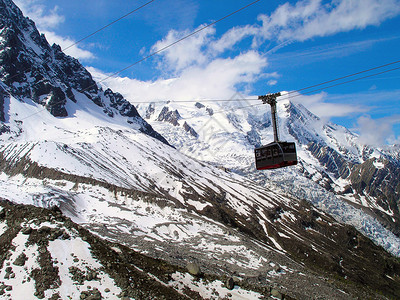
(261, 104)
(93, 33)
(287, 95)
(160, 50)
(194, 101)
(232, 100)
(337, 84)
(291, 92)
(347, 76)
(108, 25)
(179, 40)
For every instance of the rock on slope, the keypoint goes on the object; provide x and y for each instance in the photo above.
(45, 255)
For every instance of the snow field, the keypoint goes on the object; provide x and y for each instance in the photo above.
(23, 287)
(76, 253)
(211, 290)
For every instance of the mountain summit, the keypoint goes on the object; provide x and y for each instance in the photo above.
(329, 154)
(33, 70)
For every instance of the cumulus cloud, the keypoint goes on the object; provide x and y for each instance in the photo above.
(217, 79)
(38, 13)
(188, 52)
(65, 42)
(315, 18)
(47, 21)
(233, 36)
(377, 132)
(318, 104)
(303, 20)
(307, 19)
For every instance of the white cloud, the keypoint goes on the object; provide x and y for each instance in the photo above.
(314, 18)
(326, 51)
(64, 42)
(319, 106)
(272, 82)
(301, 21)
(188, 52)
(37, 12)
(233, 36)
(307, 19)
(48, 20)
(377, 132)
(217, 79)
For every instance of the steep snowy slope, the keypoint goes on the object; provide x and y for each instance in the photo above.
(33, 70)
(106, 168)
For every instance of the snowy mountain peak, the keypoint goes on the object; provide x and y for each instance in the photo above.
(329, 155)
(32, 70)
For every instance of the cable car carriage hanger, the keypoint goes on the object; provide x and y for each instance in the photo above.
(276, 154)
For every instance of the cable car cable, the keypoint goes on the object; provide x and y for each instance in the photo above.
(259, 104)
(178, 41)
(343, 77)
(288, 93)
(160, 50)
(93, 33)
(337, 84)
(108, 25)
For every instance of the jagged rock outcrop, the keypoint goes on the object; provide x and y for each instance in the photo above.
(199, 105)
(190, 130)
(32, 69)
(372, 174)
(331, 159)
(149, 111)
(169, 116)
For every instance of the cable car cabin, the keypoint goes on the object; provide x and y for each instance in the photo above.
(276, 155)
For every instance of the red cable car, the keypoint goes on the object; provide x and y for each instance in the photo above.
(276, 154)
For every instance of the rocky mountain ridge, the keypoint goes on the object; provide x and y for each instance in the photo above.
(32, 69)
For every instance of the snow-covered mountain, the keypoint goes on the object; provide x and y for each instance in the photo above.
(329, 155)
(33, 71)
(68, 143)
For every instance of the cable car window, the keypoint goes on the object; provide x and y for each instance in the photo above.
(275, 152)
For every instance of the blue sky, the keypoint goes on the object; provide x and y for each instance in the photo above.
(268, 47)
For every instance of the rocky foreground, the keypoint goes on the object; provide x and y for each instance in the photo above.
(44, 255)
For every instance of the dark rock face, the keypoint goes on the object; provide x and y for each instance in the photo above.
(31, 68)
(129, 270)
(379, 180)
(2, 115)
(199, 105)
(118, 102)
(150, 111)
(331, 159)
(189, 129)
(169, 116)
(374, 179)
